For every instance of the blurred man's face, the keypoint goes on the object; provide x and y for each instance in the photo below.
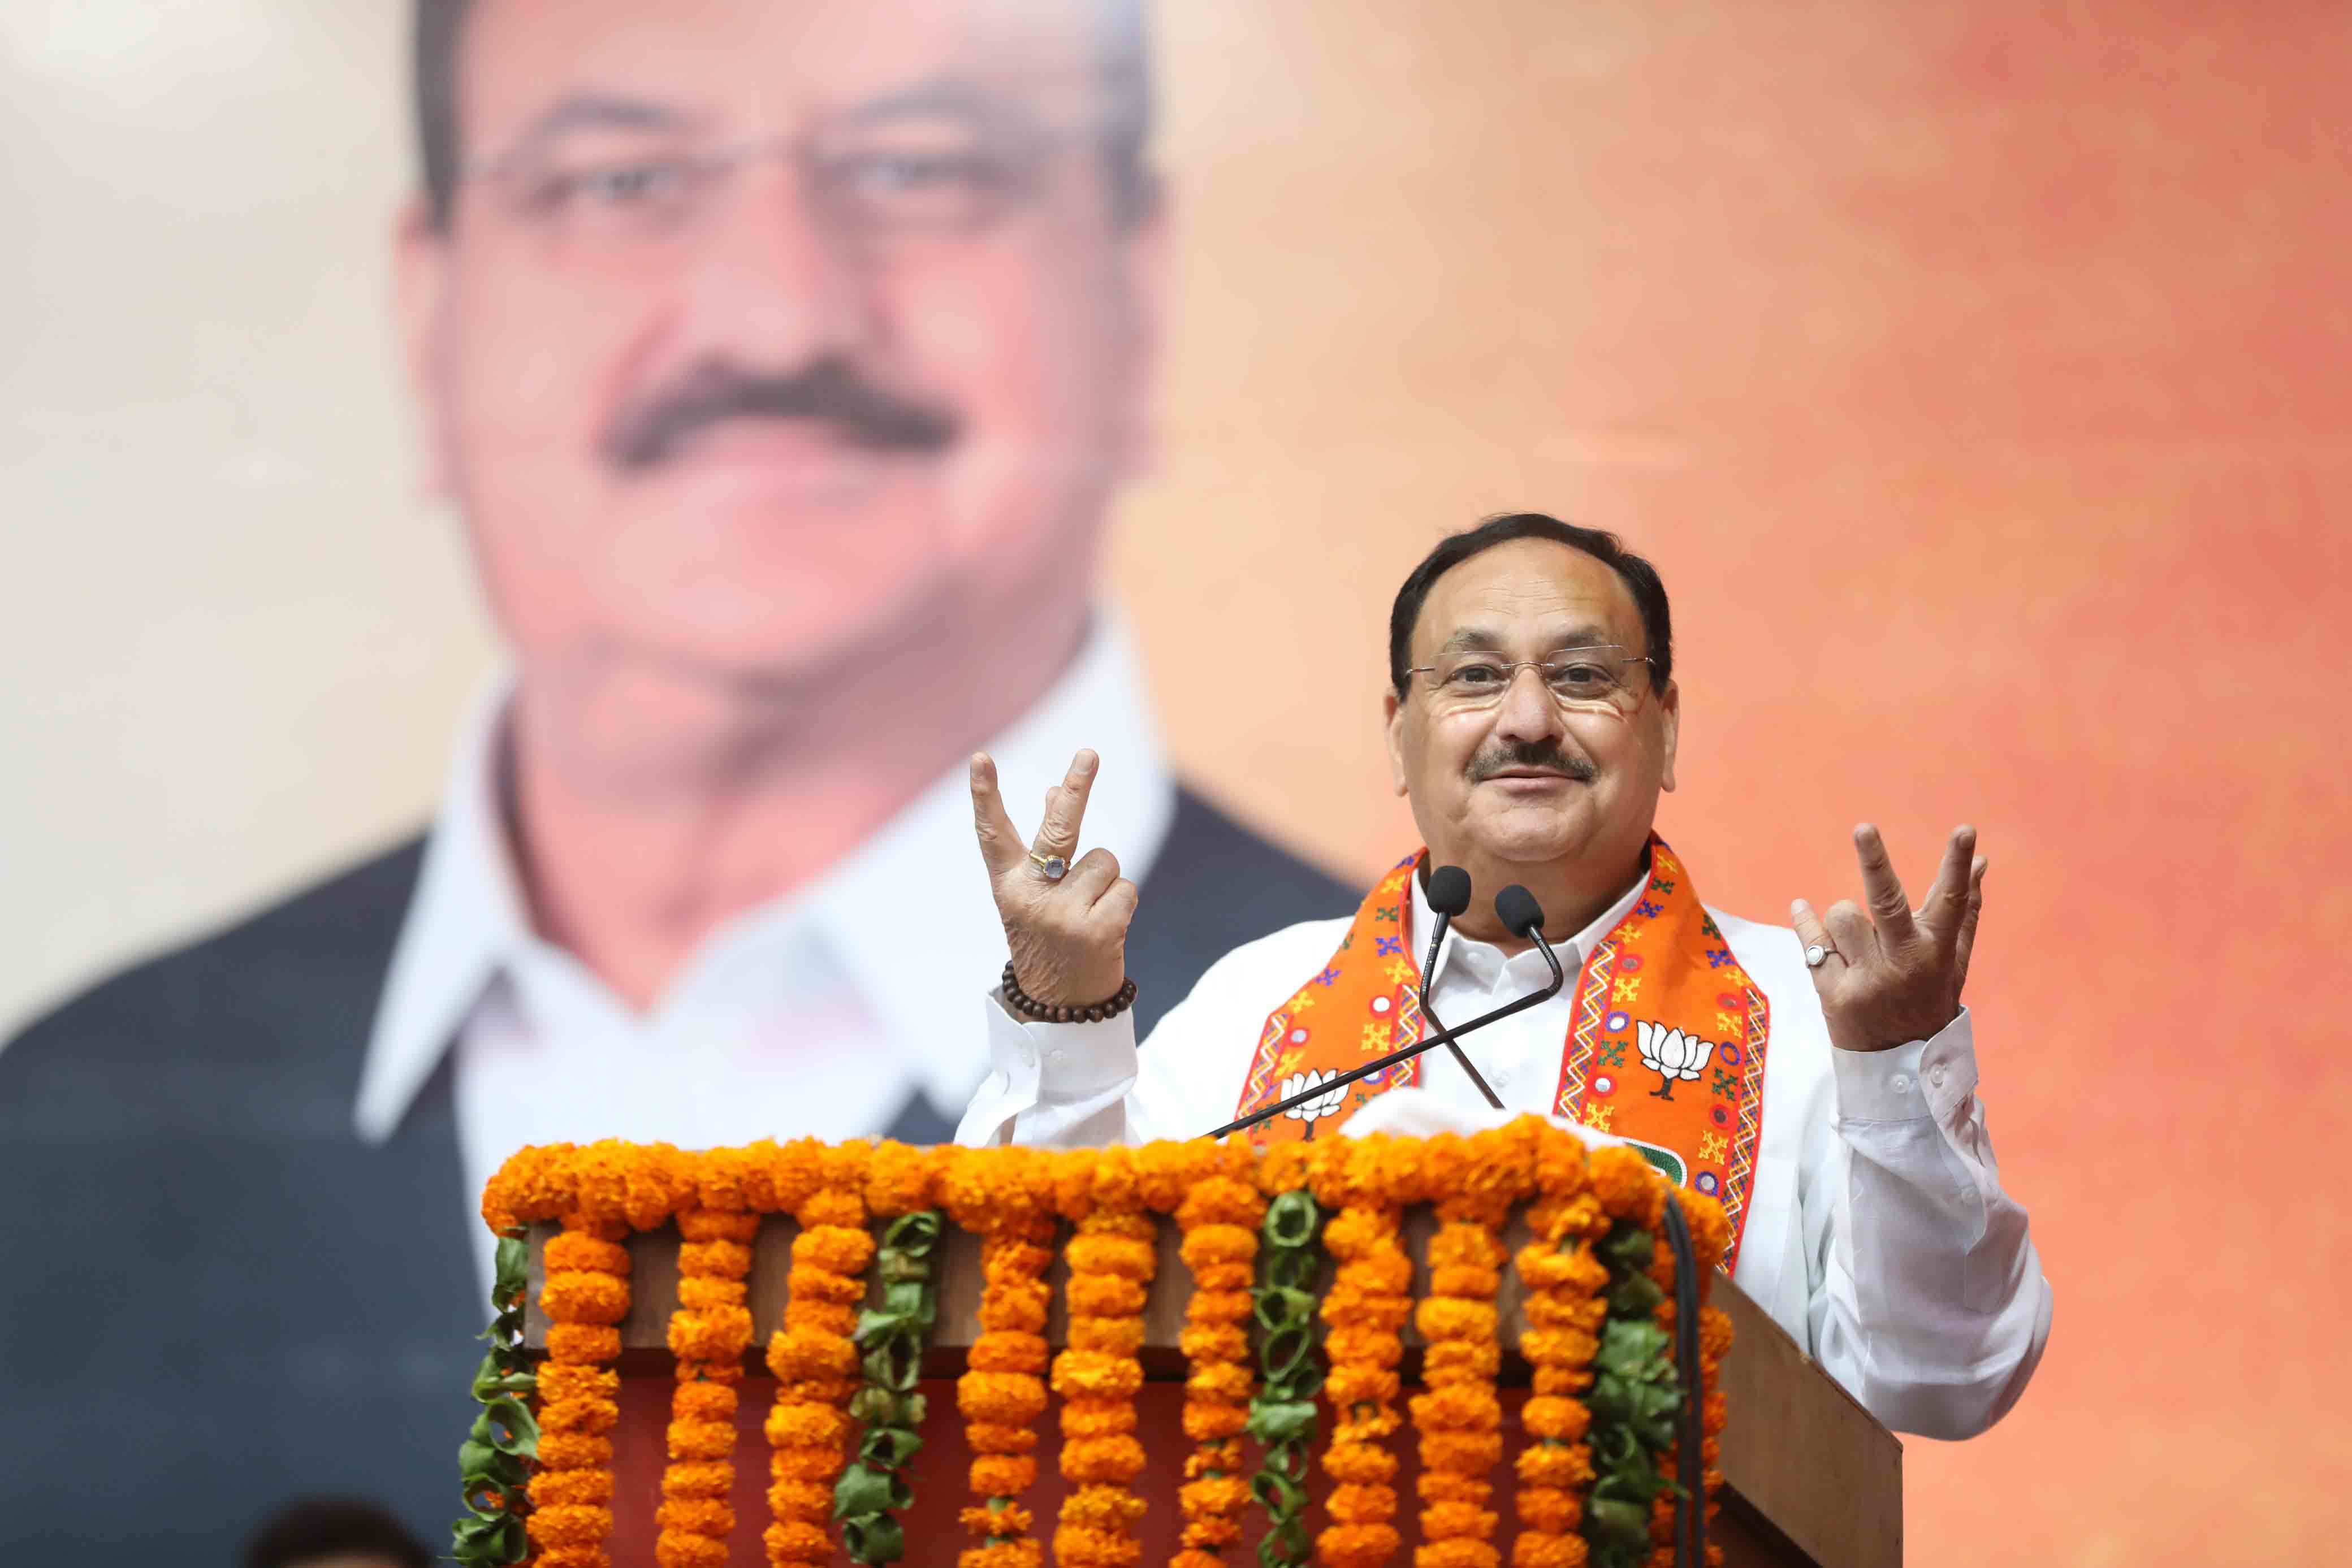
(767, 331)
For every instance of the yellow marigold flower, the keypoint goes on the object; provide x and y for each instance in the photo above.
(1000, 1351)
(1102, 1295)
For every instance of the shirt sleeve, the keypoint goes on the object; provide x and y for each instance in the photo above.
(1054, 1085)
(1927, 1297)
(1079, 1085)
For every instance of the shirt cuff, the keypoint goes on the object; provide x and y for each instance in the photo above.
(1926, 1078)
(1059, 1063)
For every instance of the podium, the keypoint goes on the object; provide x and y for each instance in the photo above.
(1809, 1478)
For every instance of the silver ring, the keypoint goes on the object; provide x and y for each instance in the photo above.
(1052, 868)
(1816, 956)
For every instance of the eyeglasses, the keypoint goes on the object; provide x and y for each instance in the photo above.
(1594, 677)
(627, 204)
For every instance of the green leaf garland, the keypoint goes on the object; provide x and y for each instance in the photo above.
(494, 1461)
(1634, 1398)
(1283, 1414)
(891, 1339)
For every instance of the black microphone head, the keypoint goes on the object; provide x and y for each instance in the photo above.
(1516, 908)
(1449, 890)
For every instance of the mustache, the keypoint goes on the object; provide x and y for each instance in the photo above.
(1545, 754)
(829, 389)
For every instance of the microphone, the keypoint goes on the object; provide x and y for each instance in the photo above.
(1519, 912)
(1449, 895)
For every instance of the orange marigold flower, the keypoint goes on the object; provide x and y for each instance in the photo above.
(797, 1353)
(572, 1524)
(1359, 1464)
(1003, 1475)
(559, 1382)
(700, 1479)
(1023, 1553)
(573, 1252)
(1550, 1510)
(1090, 1374)
(811, 1500)
(1121, 1336)
(1005, 1399)
(1022, 1353)
(1207, 1422)
(1102, 1461)
(1555, 1466)
(1456, 1553)
(1534, 1551)
(701, 1440)
(1102, 1295)
(1082, 1548)
(701, 1294)
(794, 1541)
(1103, 1507)
(986, 1438)
(695, 1516)
(592, 1415)
(1565, 1419)
(555, 1488)
(584, 1298)
(1218, 1381)
(674, 1549)
(1465, 1453)
(1098, 1418)
(1356, 1545)
(806, 1426)
(573, 1451)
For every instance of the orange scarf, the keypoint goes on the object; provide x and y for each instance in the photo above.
(1666, 1049)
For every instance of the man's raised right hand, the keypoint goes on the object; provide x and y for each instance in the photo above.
(1068, 938)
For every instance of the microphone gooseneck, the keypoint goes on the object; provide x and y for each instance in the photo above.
(1448, 893)
(1531, 914)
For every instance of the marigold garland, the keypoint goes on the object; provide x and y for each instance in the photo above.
(1460, 1416)
(1218, 1215)
(1593, 1486)
(1112, 1257)
(1369, 1181)
(1562, 1279)
(814, 1355)
(1008, 1202)
(586, 1296)
(709, 1334)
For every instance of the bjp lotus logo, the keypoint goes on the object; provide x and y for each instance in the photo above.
(1311, 1110)
(1671, 1054)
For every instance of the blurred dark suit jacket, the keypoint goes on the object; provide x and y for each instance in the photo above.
(215, 1298)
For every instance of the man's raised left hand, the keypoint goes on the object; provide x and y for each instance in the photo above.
(1890, 976)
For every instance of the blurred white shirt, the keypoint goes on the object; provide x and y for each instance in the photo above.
(1877, 1235)
(821, 1015)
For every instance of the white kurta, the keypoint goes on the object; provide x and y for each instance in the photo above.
(1877, 1235)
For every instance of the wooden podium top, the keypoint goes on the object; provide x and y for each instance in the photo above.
(1809, 1476)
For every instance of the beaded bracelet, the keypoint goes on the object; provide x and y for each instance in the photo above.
(1029, 1007)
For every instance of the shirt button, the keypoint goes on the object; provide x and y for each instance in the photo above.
(1935, 1075)
(1902, 1084)
(1058, 1055)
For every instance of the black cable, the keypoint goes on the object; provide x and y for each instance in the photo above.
(1690, 1510)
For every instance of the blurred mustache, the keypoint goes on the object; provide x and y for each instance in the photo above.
(1544, 754)
(829, 390)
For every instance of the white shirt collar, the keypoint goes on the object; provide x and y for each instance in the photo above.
(1484, 963)
(907, 913)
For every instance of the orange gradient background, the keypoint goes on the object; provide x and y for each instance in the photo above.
(1977, 375)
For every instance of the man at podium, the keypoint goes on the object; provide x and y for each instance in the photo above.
(1820, 1081)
